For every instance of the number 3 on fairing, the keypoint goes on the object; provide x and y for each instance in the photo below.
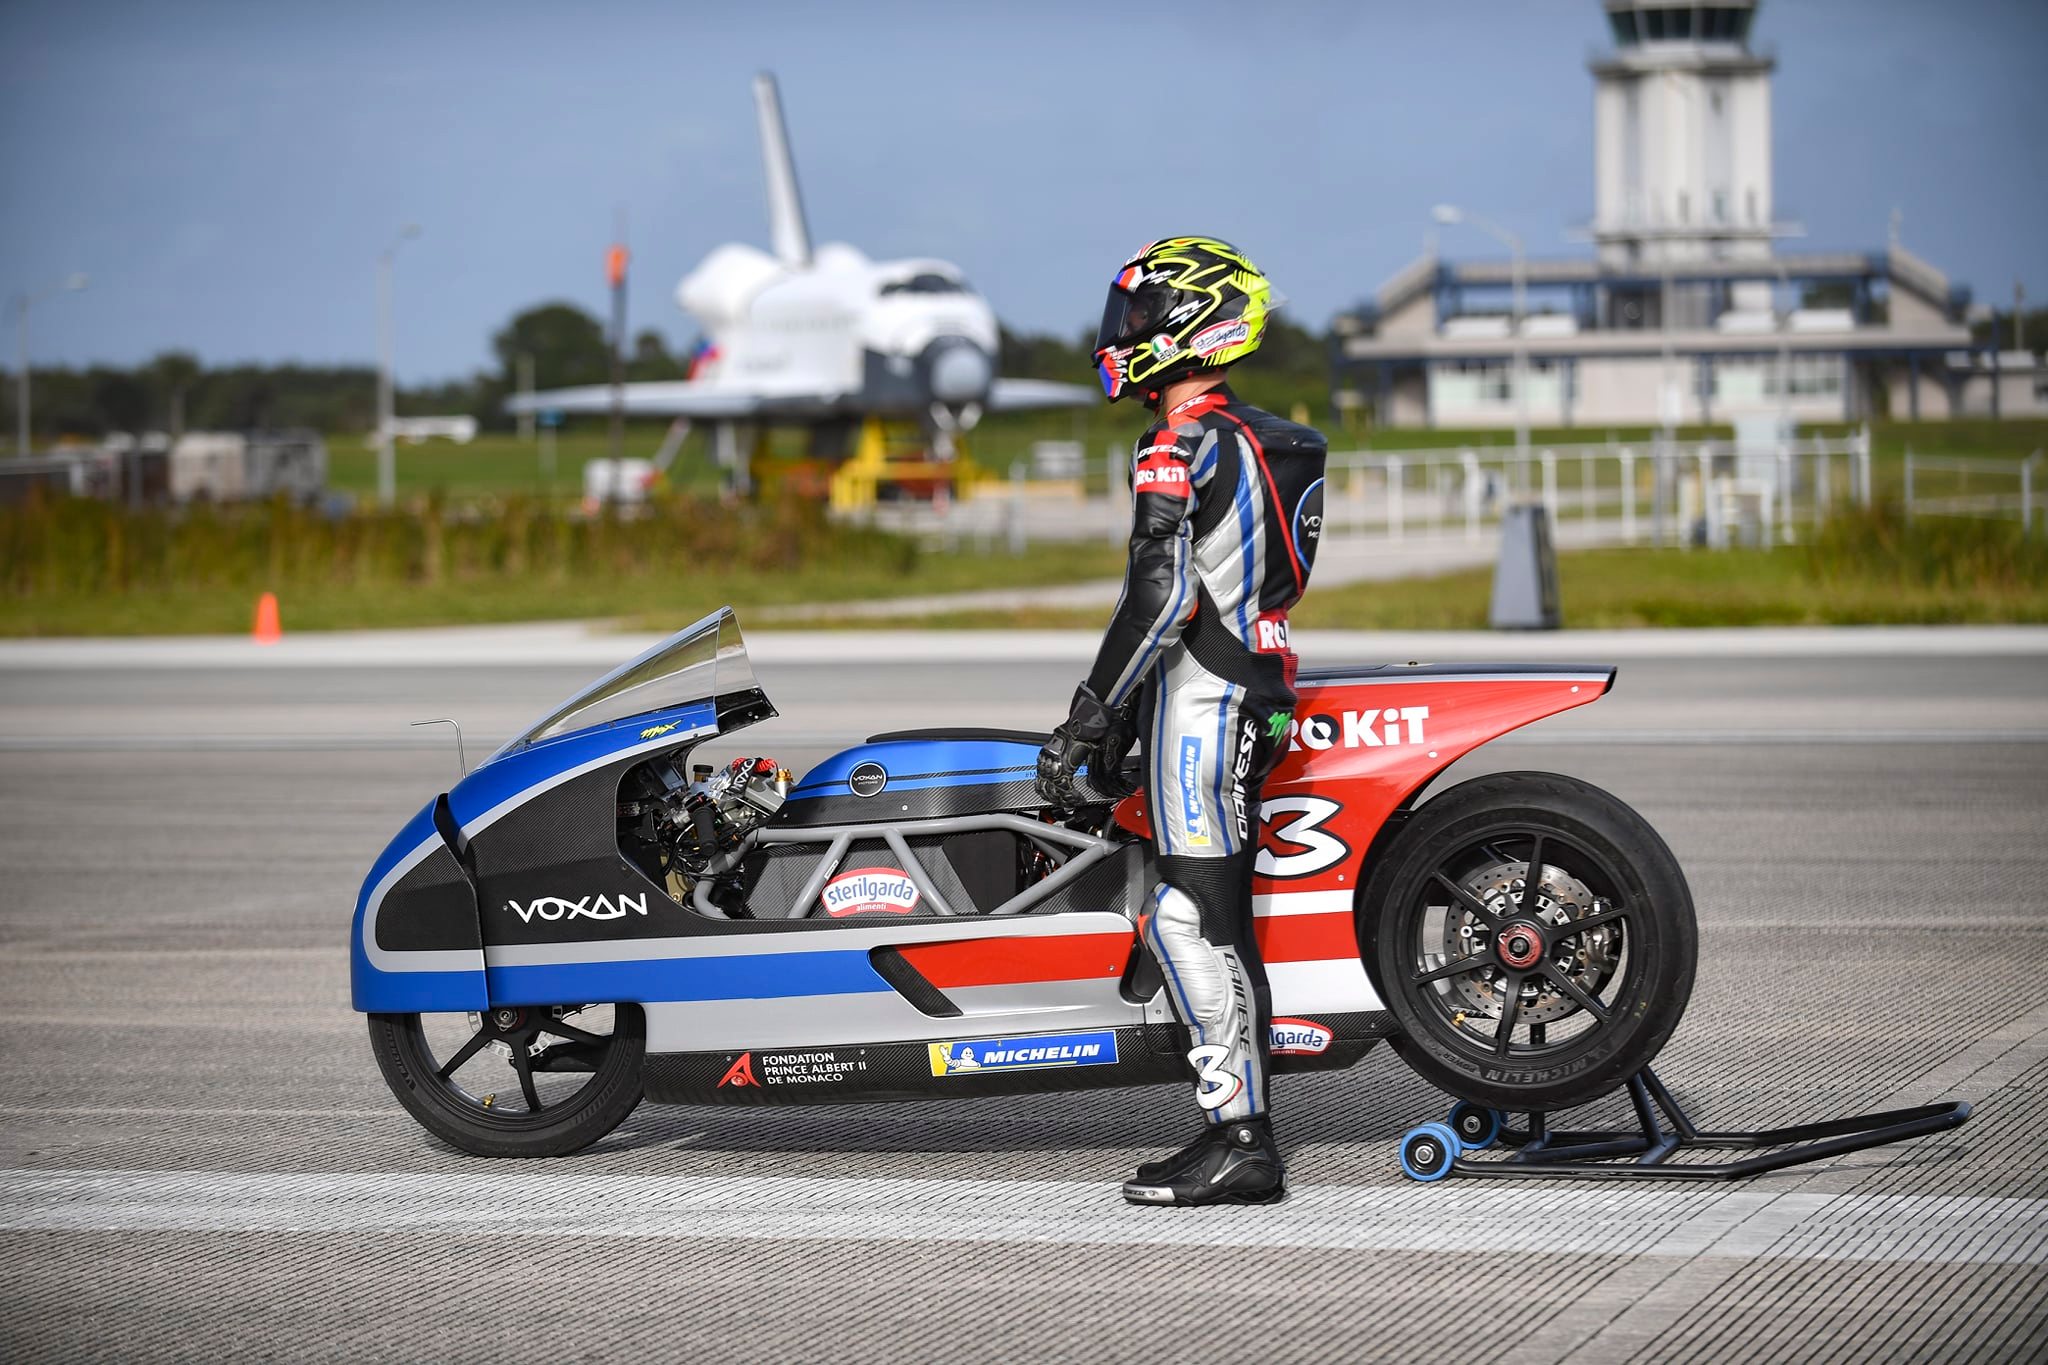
(1320, 850)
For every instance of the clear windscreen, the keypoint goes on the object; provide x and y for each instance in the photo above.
(698, 663)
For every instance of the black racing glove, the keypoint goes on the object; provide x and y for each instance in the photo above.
(1095, 737)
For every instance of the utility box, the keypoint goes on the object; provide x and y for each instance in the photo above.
(1525, 577)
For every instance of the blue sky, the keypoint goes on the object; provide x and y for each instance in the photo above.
(227, 172)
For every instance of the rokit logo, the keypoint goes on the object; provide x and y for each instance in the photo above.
(1161, 476)
(1392, 728)
(870, 891)
(1298, 1038)
(1269, 634)
(552, 908)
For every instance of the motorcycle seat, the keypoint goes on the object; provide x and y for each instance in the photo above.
(1035, 738)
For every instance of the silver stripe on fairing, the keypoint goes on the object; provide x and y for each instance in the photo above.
(1310, 684)
(826, 936)
(868, 1017)
(1329, 985)
(412, 959)
(1037, 997)
(469, 959)
(1304, 903)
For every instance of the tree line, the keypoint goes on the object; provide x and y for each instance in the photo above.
(562, 344)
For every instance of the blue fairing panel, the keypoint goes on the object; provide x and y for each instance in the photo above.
(443, 976)
(387, 981)
(512, 778)
(917, 764)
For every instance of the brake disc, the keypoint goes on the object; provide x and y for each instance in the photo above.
(1587, 958)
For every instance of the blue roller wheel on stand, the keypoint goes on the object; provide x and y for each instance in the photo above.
(1427, 1152)
(1477, 1127)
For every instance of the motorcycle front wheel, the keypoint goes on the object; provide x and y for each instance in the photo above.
(531, 1080)
(1533, 938)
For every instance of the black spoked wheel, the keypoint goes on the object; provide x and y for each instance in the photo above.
(1533, 938)
(530, 1080)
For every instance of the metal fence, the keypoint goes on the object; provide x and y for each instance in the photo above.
(1714, 494)
(1708, 493)
(1972, 486)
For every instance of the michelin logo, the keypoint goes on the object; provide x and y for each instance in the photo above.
(1192, 825)
(990, 1055)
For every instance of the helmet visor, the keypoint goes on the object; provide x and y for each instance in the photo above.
(1128, 315)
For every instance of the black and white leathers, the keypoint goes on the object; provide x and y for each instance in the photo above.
(1227, 511)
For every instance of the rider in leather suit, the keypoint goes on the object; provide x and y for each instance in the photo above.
(1227, 510)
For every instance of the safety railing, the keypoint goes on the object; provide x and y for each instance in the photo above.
(1976, 486)
(1703, 493)
(1713, 493)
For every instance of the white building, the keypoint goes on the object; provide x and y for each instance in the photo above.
(1686, 312)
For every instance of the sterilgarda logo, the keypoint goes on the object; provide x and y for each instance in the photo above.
(1298, 1038)
(1210, 340)
(1392, 728)
(1193, 826)
(1023, 1054)
(870, 891)
(552, 908)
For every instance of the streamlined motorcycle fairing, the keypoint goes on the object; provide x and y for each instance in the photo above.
(907, 919)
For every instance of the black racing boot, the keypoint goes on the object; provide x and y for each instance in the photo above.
(1244, 1168)
(1171, 1167)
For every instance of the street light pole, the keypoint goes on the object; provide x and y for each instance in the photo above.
(1449, 214)
(387, 458)
(22, 302)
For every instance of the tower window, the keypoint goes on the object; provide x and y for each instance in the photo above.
(1684, 207)
(1752, 206)
(1624, 24)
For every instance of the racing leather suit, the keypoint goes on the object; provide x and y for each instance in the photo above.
(1227, 512)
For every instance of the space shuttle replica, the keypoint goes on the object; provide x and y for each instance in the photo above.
(823, 336)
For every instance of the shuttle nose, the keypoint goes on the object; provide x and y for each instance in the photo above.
(961, 373)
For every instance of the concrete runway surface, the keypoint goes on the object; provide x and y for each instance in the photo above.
(199, 1160)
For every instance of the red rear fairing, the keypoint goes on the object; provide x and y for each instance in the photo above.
(1363, 743)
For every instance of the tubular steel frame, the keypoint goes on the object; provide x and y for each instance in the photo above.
(1544, 1154)
(1081, 852)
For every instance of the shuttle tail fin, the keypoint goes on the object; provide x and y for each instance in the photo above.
(788, 233)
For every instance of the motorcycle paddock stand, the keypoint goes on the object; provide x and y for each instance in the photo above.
(1436, 1150)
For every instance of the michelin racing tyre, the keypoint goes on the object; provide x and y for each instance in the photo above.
(1523, 992)
(521, 1081)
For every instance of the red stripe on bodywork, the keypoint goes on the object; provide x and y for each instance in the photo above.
(1307, 938)
(1018, 961)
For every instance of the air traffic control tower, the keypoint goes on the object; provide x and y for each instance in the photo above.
(1688, 310)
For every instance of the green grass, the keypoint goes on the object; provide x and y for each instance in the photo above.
(496, 464)
(646, 600)
(1864, 569)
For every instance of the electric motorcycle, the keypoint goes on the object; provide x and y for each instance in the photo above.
(590, 917)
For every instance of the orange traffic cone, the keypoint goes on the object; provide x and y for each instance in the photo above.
(267, 631)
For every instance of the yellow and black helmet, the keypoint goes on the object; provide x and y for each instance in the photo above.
(1181, 304)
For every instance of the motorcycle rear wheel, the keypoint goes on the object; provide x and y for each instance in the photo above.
(1521, 999)
(451, 1072)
